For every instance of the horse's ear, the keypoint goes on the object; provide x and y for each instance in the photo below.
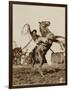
(39, 22)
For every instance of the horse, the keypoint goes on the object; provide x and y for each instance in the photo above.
(44, 43)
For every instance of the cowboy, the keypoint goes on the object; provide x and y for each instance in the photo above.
(34, 35)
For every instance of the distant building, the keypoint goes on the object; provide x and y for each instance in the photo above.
(58, 58)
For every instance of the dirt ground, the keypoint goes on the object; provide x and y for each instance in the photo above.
(26, 75)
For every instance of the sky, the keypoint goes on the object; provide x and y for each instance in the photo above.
(23, 14)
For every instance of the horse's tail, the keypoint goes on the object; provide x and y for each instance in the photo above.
(59, 37)
(56, 38)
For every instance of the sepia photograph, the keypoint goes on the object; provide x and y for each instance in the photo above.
(37, 44)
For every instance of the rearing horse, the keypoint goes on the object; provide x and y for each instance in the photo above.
(44, 44)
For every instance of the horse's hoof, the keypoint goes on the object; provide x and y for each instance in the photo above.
(42, 75)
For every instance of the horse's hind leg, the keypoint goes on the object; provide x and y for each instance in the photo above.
(33, 63)
(40, 65)
(40, 71)
(38, 57)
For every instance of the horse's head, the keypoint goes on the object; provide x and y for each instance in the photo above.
(44, 24)
(43, 27)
